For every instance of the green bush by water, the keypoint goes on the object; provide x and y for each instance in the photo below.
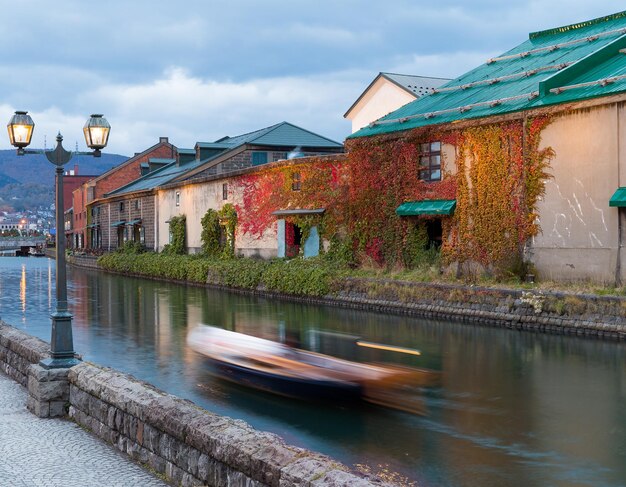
(314, 277)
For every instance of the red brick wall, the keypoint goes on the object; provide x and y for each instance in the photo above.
(131, 170)
(70, 183)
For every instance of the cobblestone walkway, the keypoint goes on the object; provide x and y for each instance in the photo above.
(38, 452)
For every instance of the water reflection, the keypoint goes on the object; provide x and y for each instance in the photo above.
(513, 408)
(23, 289)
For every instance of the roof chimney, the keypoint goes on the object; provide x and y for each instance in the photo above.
(75, 169)
(163, 140)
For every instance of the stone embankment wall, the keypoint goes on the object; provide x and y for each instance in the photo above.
(177, 439)
(533, 309)
(89, 261)
(18, 351)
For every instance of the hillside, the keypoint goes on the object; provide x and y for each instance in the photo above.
(31, 168)
(27, 182)
(4, 180)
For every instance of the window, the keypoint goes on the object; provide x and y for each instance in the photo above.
(177, 198)
(121, 206)
(278, 156)
(225, 191)
(137, 204)
(295, 181)
(259, 158)
(430, 161)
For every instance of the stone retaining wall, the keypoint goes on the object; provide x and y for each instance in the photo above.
(89, 261)
(177, 439)
(532, 309)
(190, 445)
(18, 351)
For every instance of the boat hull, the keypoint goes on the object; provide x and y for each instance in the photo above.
(305, 389)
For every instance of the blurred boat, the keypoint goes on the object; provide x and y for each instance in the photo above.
(281, 369)
(36, 252)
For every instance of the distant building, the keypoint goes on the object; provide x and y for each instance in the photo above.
(85, 232)
(141, 210)
(387, 93)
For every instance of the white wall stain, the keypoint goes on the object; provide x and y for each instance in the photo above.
(592, 237)
(593, 204)
(555, 230)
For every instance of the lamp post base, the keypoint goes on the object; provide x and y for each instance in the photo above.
(59, 363)
(61, 343)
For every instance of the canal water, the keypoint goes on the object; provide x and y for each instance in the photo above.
(513, 408)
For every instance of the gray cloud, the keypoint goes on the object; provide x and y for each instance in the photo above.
(198, 70)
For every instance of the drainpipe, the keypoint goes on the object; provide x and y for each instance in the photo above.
(109, 232)
(156, 221)
(525, 245)
(618, 263)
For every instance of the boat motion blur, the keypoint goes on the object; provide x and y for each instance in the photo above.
(282, 369)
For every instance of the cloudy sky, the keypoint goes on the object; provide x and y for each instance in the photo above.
(201, 69)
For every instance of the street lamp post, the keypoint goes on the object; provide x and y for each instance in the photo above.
(96, 132)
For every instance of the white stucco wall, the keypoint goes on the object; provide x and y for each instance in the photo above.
(579, 239)
(382, 98)
(194, 201)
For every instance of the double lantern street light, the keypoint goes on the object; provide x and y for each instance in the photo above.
(96, 132)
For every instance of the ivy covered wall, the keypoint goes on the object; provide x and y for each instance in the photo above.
(495, 172)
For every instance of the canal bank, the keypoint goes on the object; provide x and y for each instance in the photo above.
(173, 437)
(513, 409)
(529, 309)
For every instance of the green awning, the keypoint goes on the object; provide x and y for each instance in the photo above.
(427, 207)
(134, 222)
(618, 198)
(119, 223)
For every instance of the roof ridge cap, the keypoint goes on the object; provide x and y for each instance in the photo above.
(577, 25)
(414, 75)
(269, 130)
(270, 127)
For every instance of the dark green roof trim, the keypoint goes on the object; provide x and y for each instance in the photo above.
(134, 222)
(160, 160)
(426, 207)
(582, 66)
(579, 25)
(619, 198)
(212, 145)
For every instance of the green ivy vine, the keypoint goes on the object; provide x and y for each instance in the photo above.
(178, 228)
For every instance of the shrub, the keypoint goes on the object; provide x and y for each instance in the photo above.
(178, 246)
(300, 276)
(131, 247)
(239, 273)
(211, 233)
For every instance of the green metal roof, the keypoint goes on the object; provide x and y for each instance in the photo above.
(282, 134)
(426, 207)
(619, 198)
(565, 64)
(161, 175)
